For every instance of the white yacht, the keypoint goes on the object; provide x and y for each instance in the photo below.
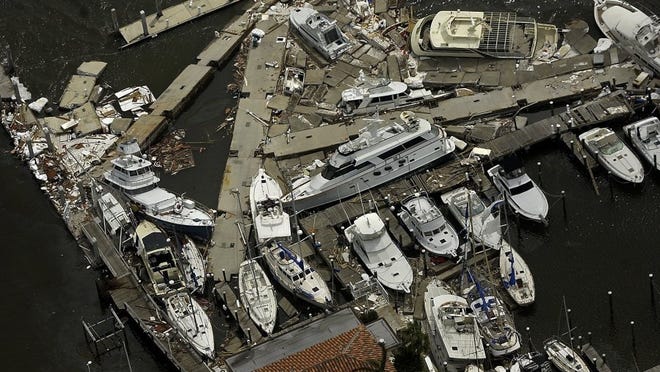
(632, 30)
(452, 327)
(480, 221)
(257, 295)
(521, 193)
(645, 137)
(613, 154)
(481, 34)
(495, 322)
(270, 220)
(564, 357)
(117, 220)
(296, 275)
(378, 252)
(377, 156)
(192, 323)
(516, 276)
(320, 32)
(193, 264)
(533, 361)
(161, 265)
(424, 220)
(133, 175)
(382, 95)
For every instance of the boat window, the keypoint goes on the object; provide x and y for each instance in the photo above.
(428, 233)
(522, 188)
(611, 147)
(331, 36)
(400, 148)
(307, 271)
(315, 289)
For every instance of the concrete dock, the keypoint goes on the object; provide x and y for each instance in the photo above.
(149, 26)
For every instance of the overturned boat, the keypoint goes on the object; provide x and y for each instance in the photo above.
(320, 32)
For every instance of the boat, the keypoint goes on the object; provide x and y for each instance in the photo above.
(378, 252)
(521, 193)
(613, 154)
(479, 220)
(452, 327)
(132, 174)
(155, 249)
(495, 322)
(376, 156)
(481, 34)
(631, 29)
(193, 264)
(296, 275)
(426, 222)
(117, 220)
(516, 276)
(270, 220)
(564, 357)
(320, 32)
(533, 361)
(372, 95)
(192, 323)
(257, 295)
(645, 137)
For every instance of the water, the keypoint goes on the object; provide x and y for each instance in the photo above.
(604, 245)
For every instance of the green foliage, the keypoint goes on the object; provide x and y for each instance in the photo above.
(414, 344)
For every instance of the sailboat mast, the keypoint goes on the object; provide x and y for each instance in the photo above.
(568, 323)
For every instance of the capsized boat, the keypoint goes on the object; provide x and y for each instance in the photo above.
(495, 322)
(613, 154)
(193, 264)
(192, 323)
(481, 34)
(378, 252)
(645, 137)
(480, 221)
(533, 361)
(320, 32)
(516, 276)
(426, 222)
(377, 156)
(257, 295)
(452, 327)
(564, 357)
(155, 249)
(133, 175)
(296, 275)
(270, 220)
(521, 193)
(634, 31)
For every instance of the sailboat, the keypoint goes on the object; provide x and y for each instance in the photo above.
(564, 357)
(257, 295)
(193, 264)
(192, 322)
(516, 276)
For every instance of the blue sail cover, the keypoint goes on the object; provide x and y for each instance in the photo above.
(480, 290)
(512, 275)
(290, 255)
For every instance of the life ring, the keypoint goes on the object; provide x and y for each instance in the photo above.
(178, 207)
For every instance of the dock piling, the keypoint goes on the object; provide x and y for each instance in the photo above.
(10, 59)
(589, 337)
(569, 319)
(632, 334)
(224, 275)
(424, 259)
(143, 17)
(652, 285)
(159, 10)
(538, 164)
(552, 108)
(603, 357)
(30, 148)
(609, 181)
(529, 338)
(115, 23)
(655, 161)
(563, 202)
(609, 296)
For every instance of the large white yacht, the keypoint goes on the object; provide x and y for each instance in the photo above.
(270, 221)
(373, 244)
(520, 192)
(452, 327)
(613, 154)
(133, 175)
(320, 32)
(377, 156)
(632, 30)
(296, 275)
(479, 220)
(645, 137)
(425, 221)
(381, 95)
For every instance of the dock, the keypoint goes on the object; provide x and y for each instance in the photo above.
(149, 26)
(105, 249)
(594, 359)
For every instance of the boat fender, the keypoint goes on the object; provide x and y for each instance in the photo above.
(178, 207)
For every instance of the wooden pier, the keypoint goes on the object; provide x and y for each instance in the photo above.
(149, 26)
(105, 249)
(594, 359)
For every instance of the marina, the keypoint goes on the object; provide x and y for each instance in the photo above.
(342, 180)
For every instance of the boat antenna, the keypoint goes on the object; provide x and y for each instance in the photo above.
(295, 222)
(568, 323)
(360, 195)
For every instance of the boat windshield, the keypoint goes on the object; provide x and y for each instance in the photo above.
(331, 35)
(609, 145)
(476, 206)
(522, 188)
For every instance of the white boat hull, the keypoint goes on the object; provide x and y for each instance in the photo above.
(270, 221)
(517, 278)
(563, 357)
(257, 295)
(192, 323)
(645, 137)
(194, 266)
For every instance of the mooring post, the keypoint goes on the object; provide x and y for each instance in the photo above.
(569, 319)
(632, 334)
(572, 143)
(518, 224)
(387, 223)
(424, 259)
(10, 59)
(580, 342)
(609, 180)
(589, 337)
(143, 17)
(115, 24)
(249, 334)
(224, 296)
(652, 285)
(552, 108)
(604, 358)
(609, 296)
(30, 148)
(224, 275)
(563, 202)
(655, 161)
(529, 338)
(159, 11)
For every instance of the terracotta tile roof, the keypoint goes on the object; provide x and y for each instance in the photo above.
(346, 352)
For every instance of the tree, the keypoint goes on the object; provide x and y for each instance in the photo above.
(414, 344)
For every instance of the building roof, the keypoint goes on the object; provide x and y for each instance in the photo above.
(338, 342)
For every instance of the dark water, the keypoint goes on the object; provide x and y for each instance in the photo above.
(604, 244)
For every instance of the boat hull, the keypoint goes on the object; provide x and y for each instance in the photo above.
(520, 286)
(192, 323)
(648, 143)
(203, 233)
(257, 295)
